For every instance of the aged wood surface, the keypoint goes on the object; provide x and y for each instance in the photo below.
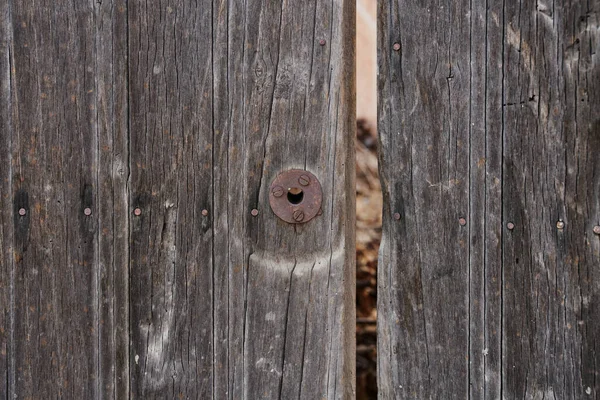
(138, 137)
(489, 281)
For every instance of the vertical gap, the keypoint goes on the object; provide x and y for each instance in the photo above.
(10, 360)
(485, 206)
(470, 215)
(230, 375)
(369, 202)
(95, 205)
(502, 213)
(214, 210)
(127, 200)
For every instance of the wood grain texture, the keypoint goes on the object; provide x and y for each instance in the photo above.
(6, 205)
(52, 173)
(491, 113)
(113, 210)
(185, 110)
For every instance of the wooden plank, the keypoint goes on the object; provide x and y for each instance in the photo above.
(230, 305)
(6, 205)
(551, 165)
(510, 89)
(485, 193)
(171, 262)
(52, 174)
(113, 198)
(423, 273)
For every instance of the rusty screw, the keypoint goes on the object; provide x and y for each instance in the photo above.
(254, 212)
(22, 212)
(137, 212)
(462, 221)
(87, 211)
(298, 215)
(397, 216)
(205, 212)
(277, 191)
(396, 46)
(560, 224)
(597, 229)
(322, 42)
(510, 226)
(304, 180)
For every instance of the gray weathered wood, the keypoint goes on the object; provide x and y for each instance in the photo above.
(185, 110)
(489, 112)
(6, 205)
(113, 210)
(49, 170)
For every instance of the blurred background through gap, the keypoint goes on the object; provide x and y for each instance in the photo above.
(368, 200)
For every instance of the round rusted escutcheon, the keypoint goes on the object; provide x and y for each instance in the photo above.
(295, 196)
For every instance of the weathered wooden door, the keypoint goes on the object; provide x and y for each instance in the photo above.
(139, 254)
(489, 273)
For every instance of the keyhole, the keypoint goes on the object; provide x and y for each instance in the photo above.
(295, 195)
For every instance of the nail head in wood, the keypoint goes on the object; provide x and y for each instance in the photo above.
(137, 212)
(510, 226)
(462, 221)
(560, 225)
(397, 216)
(322, 42)
(254, 212)
(205, 212)
(597, 229)
(22, 212)
(396, 46)
(87, 211)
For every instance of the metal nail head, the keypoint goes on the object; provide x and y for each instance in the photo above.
(462, 221)
(22, 212)
(254, 212)
(597, 229)
(396, 46)
(560, 225)
(322, 42)
(137, 212)
(87, 211)
(510, 226)
(397, 216)
(205, 212)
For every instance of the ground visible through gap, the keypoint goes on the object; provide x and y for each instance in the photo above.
(369, 205)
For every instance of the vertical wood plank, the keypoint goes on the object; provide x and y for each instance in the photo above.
(53, 148)
(551, 181)
(299, 339)
(171, 254)
(423, 274)
(113, 198)
(529, 289)
(6, 207)
(485, 193)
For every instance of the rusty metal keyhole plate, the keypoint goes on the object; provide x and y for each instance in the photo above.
(295, 196)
